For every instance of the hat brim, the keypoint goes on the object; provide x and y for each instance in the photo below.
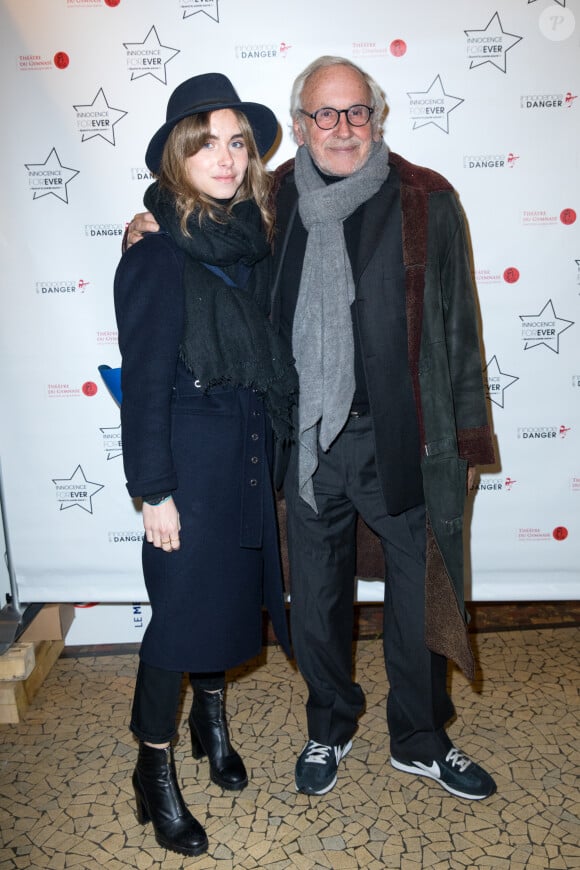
(261, 119)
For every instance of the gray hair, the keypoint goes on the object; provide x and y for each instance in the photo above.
(377, 97)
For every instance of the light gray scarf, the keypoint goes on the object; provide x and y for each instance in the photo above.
(322, 339)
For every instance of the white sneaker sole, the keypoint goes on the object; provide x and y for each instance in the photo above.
(417, 771)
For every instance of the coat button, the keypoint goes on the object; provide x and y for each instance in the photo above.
(254, 436)
(253, 482)
(254, 460)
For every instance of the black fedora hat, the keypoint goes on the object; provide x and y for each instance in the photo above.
(208, 93)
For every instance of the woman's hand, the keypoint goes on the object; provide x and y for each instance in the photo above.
(142, 223)
(162, 526)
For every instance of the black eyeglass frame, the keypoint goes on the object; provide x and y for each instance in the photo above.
(339, 112)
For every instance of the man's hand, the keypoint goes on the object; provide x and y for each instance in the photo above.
(144, 222)
(162, 526)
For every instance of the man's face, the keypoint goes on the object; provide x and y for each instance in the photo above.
(344, 149)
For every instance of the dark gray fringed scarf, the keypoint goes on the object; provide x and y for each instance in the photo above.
(322, 339)
(228, 337)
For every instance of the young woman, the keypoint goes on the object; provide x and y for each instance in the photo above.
(204, 382)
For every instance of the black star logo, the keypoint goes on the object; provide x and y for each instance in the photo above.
(76, 491)
(492, 50)
(497, 381)
(208, 5)
(151, 59)
(105, 121)
(543, 328)
(432, 106)
(112, 441)
(50, 177)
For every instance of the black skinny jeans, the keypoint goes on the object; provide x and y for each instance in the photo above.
(156, 700)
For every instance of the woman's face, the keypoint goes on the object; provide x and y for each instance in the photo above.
(219, 167)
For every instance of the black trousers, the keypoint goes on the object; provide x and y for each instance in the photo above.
(156, 700)
(322, 569)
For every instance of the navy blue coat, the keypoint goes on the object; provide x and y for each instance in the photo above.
(212, 450)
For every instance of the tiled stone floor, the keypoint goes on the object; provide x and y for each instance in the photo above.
(65, 772)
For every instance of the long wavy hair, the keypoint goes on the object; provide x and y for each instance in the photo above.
(185, 140)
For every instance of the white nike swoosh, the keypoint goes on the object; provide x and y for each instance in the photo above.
(432, 769)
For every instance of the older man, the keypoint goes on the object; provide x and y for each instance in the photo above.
(373, 285)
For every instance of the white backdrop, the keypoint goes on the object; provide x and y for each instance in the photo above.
(487, 93)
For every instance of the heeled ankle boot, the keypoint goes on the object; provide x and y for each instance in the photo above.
(209, 736)
(159, 801)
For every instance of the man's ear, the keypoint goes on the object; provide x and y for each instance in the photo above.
(298, 134)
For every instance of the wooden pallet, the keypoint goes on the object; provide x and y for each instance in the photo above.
(23, 669)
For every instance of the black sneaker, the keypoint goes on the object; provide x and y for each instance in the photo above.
(317, 767)
(456, 773)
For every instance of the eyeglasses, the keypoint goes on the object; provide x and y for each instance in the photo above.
(328, 118)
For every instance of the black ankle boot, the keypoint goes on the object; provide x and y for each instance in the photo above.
(159, 801)
(209, 736)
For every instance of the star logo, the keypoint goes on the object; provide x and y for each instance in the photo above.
(490, 45)
(544, 328)
(149, 58)
(98, 119)
(112, 441)
(497, 381)
(194, 7)
(50, 177)
(432, 106)
(76, 491)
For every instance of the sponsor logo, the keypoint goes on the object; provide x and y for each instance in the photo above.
(534, 433)
(490, 45)
(62, 391)
(576, 380)
(112, 444)
(50, 177)
(61, 60)
(141, 173)
(262, 51)
(105, 336)
(194, 7)
(150, 57)
(374, 49)
(568, 216)
(76, 491)
(61, 288)
(494, 484)
(35, 62)
(575, 483)
(398, 47)
(432, 106)
(533, 534)
(538, 218)
(547, 101)
(98, 119)
(103, 230)
(90, 389)
(490, 161)
(497, 382)
(578, 273)
(511, 275)
(137, 611)
(560, 533)
(126, 537)
(544, 328)
(486, 276)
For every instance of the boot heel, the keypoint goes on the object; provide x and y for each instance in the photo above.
(197, 749)
(143, 816)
